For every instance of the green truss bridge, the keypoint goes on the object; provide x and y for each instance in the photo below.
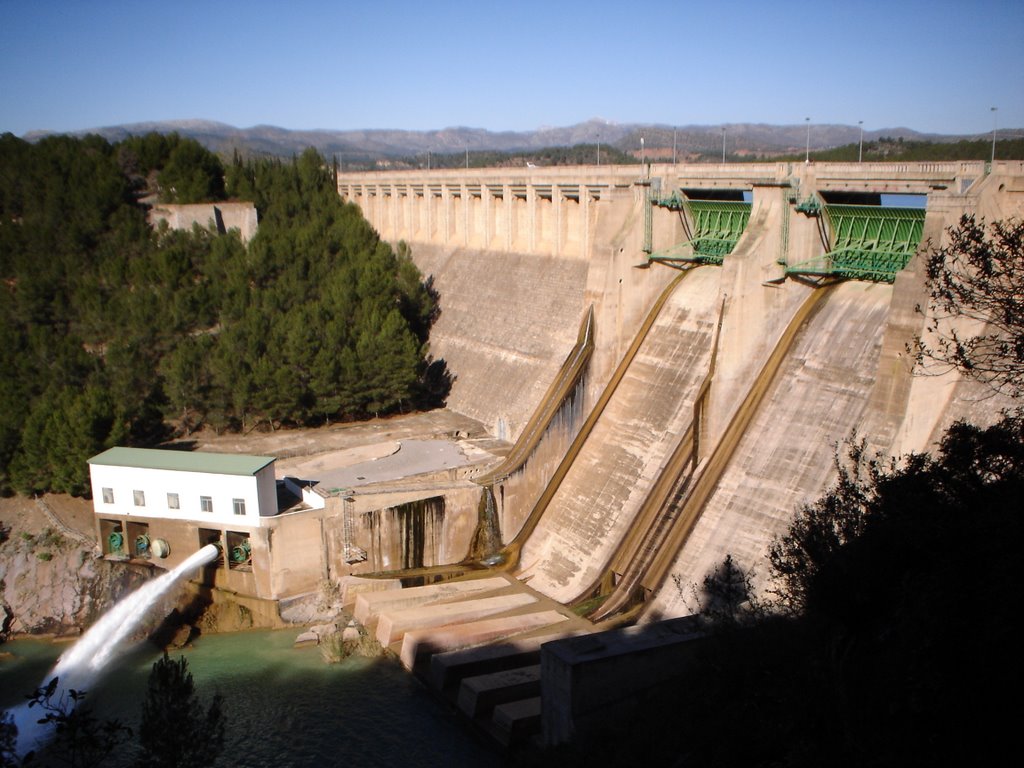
(863, 242)
(713, 227)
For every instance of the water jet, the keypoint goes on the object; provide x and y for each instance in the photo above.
(82, 664)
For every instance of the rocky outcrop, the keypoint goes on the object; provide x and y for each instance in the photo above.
(50, 582)
(50, 585)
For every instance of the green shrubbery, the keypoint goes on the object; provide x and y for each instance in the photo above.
(117, 334)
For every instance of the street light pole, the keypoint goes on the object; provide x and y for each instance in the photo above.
(860, 152)
(723, 144)
(599, 149)
(994, 111)
(807, 154)
(673, 146)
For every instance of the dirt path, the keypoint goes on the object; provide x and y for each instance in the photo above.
(286, 443)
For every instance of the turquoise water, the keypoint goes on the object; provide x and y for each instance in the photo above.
(284, 706)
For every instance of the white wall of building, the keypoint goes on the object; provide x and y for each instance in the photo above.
(257, 492)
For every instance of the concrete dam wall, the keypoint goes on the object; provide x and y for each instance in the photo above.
(785, 457)
(651, 408)
(506, 322)
(741, 386)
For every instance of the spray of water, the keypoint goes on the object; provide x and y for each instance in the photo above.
(81, 665)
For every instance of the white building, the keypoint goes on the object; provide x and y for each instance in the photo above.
(215, 489)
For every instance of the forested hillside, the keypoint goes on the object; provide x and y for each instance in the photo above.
(114, 333)
(889, 149)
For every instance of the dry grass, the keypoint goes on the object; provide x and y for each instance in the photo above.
(334, 648)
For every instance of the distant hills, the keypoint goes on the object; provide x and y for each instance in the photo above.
(361, 146)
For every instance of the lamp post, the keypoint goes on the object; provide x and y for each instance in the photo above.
(994, 111)
(599, 149)
(807, 154)
(860, 151)
(723, 145)
(673, 146)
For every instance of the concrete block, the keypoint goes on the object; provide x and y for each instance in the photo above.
(393, 625)
(353, 586)
(370, 604)
(479, 695)
(419, 643)
(587, 680)
(447, 669)
(514, 721)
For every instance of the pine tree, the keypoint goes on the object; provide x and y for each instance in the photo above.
(175, 730)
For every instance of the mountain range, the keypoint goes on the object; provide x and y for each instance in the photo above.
(752, 139)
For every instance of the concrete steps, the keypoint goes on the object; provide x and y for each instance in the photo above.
(515, 721)
(369, 605)
(392, 625)
(421, 647)
(476, 642)
(505, 704)
(479, 695)
(448, 669)
(497, 685)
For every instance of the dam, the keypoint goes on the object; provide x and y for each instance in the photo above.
(820, 259)
(670, 357)
(746, 319)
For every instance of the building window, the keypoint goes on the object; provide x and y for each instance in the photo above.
(108, 495)
(239, 505)
(172, 501)
(206, 503)
(140, 498)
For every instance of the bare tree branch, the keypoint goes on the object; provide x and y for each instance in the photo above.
(979, 276)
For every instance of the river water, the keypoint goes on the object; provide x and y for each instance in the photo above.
(284, 706)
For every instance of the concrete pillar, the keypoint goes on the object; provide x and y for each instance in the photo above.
(585, 208)
(396, 211)
(375, 216)
(391, 200)
(446, 213)
(511, 217)
(486, 208)
(408, 211)
(417, 210)
(430, 201)
(365, 203)
(572, 224)
(558, 215)
(532, 219)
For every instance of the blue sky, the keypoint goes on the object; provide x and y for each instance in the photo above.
(933, 66)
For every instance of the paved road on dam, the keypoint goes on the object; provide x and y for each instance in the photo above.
(393, 461)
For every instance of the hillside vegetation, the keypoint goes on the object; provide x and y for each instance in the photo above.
(890, 149)
(118, 334)
(578, 154)
(885, 149)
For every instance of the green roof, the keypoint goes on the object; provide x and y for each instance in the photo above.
(183, 461)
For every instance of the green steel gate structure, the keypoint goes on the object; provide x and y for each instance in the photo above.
(866, 242)
(716, 228)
